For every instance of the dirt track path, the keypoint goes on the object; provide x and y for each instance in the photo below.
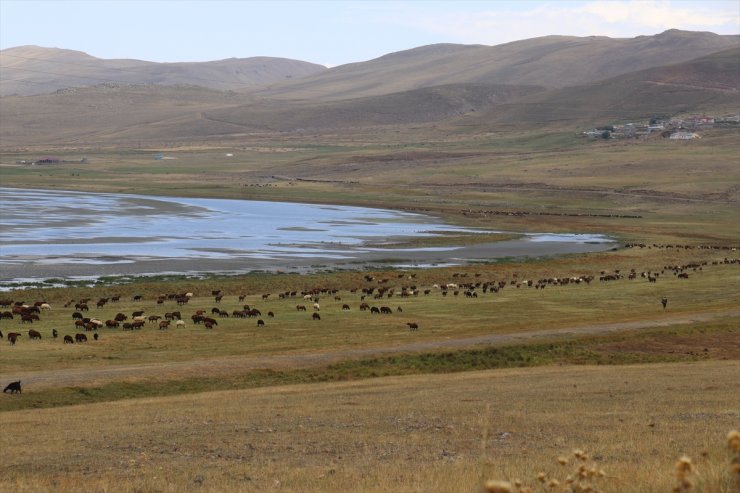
(239, 364)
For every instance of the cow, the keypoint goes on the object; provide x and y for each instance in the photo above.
(13, 388)
(68, 340)
(80, 338)
(34, 334)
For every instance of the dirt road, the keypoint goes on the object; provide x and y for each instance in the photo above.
(88, 377)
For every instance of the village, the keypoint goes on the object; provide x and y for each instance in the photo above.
(673, 128)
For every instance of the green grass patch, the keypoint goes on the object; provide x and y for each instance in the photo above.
(587, 351)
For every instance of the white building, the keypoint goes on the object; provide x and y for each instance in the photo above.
(684, 136)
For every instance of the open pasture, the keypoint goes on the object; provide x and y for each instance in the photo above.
(442, 433)
(709, 292)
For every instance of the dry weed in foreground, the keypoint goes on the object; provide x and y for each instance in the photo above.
(733, 443)
(585, 477)
(684, 471)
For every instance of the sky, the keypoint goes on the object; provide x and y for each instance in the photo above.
(333, 32)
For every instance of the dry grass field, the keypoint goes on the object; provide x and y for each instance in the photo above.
(441, 433)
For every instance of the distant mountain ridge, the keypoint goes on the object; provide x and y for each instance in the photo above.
(550, 61)
(29, 70)
(357, 96)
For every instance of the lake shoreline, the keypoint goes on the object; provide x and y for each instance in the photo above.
(72, 234)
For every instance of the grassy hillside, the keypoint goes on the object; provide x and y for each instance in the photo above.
(707, 84)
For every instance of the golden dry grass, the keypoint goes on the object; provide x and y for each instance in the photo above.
(420, 433)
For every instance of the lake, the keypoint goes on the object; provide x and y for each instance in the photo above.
(66, 234)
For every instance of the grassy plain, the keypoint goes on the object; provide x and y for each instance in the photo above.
(439, 433)
(356, 402)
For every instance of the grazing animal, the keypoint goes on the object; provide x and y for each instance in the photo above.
(95, 336)
(270, 314)
(80, 338)
(412, 325)
(12, 337)
(54, 333)
(68, 340)
(34, 334)
(664, 302)
(164, 324)
(260, 323)
(345, 307)
(300, 308)
(1, 334)
(316, 316)
(13, 388)
(179, 323)
(316, 306)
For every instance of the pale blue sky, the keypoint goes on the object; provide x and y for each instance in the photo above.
(333, 32)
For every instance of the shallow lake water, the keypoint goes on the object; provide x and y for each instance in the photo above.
(65, 234)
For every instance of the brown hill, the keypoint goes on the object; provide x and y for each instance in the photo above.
(96, 115)
(709, 83)
(551, 61)
(122, 114)
(28, 70)
(424, 105)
